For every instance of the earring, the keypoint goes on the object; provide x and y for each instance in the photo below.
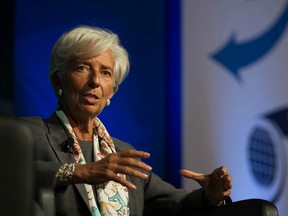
(60, 92)
(107, 102)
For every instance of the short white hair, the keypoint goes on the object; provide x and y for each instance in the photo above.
(95, 41)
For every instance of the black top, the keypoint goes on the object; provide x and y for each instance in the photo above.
(87, 150)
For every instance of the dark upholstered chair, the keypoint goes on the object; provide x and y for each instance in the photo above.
(16, 182)
(249, 207)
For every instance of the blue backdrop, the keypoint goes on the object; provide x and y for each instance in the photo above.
(145, 110)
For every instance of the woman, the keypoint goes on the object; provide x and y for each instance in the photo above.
(90, 172)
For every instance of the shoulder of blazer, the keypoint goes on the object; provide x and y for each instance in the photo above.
(51, 126)
(35, 121)
(39, 121)
(121, 145)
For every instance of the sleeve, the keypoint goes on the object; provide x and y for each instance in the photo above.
(45, 173)
(45, 163)
(161, 198)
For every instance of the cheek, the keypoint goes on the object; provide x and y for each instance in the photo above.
(70, 95)
(73, 84)
(110, 91)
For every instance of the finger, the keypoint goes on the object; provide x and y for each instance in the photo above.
(131, 162)
(134, 154)
(228, 186)
(132, 172)
(192, 175)
(221, 171)
(120, 179)
(227, 194)
(227, 179)
(105, 175)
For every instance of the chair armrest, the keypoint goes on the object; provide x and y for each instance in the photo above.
(250, 207)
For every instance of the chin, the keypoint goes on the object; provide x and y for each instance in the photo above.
(93, 112)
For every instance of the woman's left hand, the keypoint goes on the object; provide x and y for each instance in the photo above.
(217, 185)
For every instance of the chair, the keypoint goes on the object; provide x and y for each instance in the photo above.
(16, 182)
(249, 207)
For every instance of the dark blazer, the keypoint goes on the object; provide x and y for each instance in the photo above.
(152, 196)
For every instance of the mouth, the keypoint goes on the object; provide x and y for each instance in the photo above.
(90, 99)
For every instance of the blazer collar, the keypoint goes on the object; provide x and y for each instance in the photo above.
(57, 137)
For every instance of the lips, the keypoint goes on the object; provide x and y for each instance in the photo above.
(90, 98)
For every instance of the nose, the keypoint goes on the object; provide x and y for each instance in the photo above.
(94, 80)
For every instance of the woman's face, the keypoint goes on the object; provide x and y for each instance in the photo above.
(87, 84)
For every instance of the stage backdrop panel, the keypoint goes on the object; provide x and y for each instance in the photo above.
(235, 94)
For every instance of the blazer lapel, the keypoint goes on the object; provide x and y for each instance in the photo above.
(57, 135)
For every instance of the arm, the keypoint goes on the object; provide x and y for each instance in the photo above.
(161, 198)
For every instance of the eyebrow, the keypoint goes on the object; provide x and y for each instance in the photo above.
(90, 64)
(106, 67)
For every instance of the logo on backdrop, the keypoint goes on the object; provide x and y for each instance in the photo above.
(266, 152)
(236, 55)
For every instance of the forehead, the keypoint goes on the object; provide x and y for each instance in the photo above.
(105, 59)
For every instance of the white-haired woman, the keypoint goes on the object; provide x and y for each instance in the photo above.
(90, 172)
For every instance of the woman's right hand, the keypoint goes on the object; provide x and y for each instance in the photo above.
(112, 168)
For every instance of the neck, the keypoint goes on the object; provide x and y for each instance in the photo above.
(85, 135)
(82, 127)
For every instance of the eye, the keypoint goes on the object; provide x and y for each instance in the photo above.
(82, 68)
(106, 73)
